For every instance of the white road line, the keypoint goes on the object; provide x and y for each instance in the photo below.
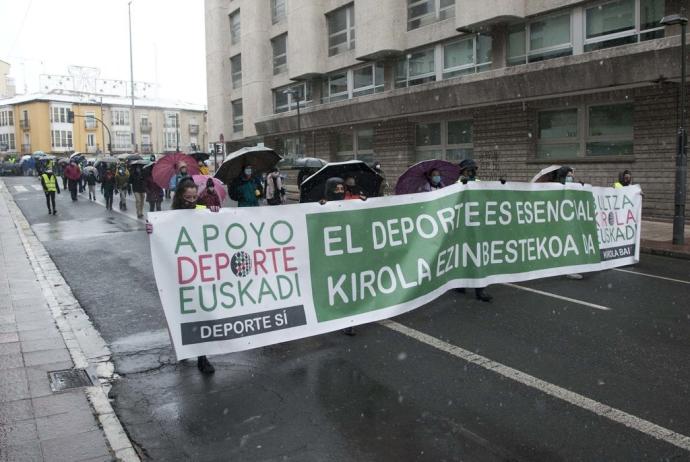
(37, 187)
(600, 409)
(20, 188)
(560, 297)
(652, 276)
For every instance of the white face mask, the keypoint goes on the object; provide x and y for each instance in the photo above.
(247, 171)
(568, 179)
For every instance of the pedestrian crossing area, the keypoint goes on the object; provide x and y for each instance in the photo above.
(27, 188)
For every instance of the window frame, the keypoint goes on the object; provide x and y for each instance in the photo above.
(237, 119)
(282, 67)
(235, 27)
(352, 91)
(436, 16)
(349, 31)
(636, 30)
(90, 122)
(292, 104)
(356, 153)
(583, 138)
(278, 13)
(236, 81)
(440, 151)
(474, 66)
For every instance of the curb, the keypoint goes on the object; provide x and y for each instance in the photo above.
(86, 347)
(665, 253)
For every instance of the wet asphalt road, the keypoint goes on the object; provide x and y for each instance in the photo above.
(382, 395)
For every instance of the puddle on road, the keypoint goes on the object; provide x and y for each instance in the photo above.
(141, 341)
(79, 229)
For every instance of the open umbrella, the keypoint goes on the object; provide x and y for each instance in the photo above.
(133, 158)
(260, 158)
(166, 167)
(140, 162)
(200, 181)
(38, 154)
(416, 176)
(309, 162)
(312, 189)
(200, 156)
(25, 158)
(63, 161)
(545, 175)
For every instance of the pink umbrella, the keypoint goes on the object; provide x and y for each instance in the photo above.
(167, 166)
(200, 181)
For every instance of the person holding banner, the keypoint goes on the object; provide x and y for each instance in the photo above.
(624, 179)
(565, 175)
(185, 198)
(468, 172)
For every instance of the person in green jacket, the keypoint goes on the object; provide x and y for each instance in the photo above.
(246, 189)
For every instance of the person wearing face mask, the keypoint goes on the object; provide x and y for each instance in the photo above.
(209, 196)
(246, 189)
(565, 175)
(624, 179)
(353, 190)
(434, 181)
(185, 198)
(468, 173)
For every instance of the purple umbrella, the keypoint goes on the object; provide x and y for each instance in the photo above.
(416, 176)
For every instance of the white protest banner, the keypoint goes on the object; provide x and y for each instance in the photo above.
(618, 213)
(248, 277)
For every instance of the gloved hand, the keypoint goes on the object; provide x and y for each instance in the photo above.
(502, 180)
(214, 208)
(58, 192)
(464, 181)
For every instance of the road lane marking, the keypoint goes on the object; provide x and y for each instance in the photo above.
(19, 188)
(651, 276)
(560, 297)
(596, 407)
(37, 187)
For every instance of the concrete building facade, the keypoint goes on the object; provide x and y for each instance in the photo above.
(517, 85)
(7, 88)
(30, 123)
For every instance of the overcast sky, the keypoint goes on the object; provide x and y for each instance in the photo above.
(47, 36)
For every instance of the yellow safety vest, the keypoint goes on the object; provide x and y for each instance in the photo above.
(617, 185)
(199, 207)
(51, 184)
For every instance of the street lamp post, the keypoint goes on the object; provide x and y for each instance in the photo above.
(296, 94)
(681, 143)
(131, 76)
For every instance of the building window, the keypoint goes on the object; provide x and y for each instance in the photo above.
(235, 29)
(237, 119)
(285, 98)
(277, 11)
(121, 117)
(450, 140)
(352, 83)
(337, 87)
(58, 114)
(7, 142)
(467, 56)
(356, 144)
(171, 120)
(90, 140)
(6, 118)
(609, 132)
(618, 23)
(123, 140)
(544, 38)
(423, 12)
(416, 68)
(236, 71)
(89, 120)
(61, 139)
(170, 141)
(341, 30)
(279, 46)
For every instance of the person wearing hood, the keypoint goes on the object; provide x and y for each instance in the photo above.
(433, 181)
(353, 190)
(186, 198)
(275, 192)
(50, 187)
(246, 189)
(122, 182)
(468, 173)
(624, 179)
(73, 174)
(209, 196)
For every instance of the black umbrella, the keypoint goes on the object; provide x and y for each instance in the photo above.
(200, 156)
(309, 162)
(312, 189)
(261, 158)
(140, 162)
(133, 158)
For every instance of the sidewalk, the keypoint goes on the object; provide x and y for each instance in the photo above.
(36, 423)
(657, 239)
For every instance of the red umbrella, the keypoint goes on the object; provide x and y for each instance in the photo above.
(200, 181)
(167, 166)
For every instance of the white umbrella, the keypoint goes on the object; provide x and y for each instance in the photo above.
(543, 175)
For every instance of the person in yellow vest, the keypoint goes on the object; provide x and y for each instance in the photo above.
(185, 198)
(468, 172)
(50, 187)
(624, 179)
(203, 169)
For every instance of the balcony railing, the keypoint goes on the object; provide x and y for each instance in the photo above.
(146, 148)
(91, 149)
(193, 129)
(24, 123)
(90, 124)
(26, 149)
(146, 126)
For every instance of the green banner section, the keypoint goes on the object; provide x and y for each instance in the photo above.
(378, 257)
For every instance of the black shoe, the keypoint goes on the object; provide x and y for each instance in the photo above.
(54, 212)
(482, 295)
(204, 365)
(349, 331)
(50, 212)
